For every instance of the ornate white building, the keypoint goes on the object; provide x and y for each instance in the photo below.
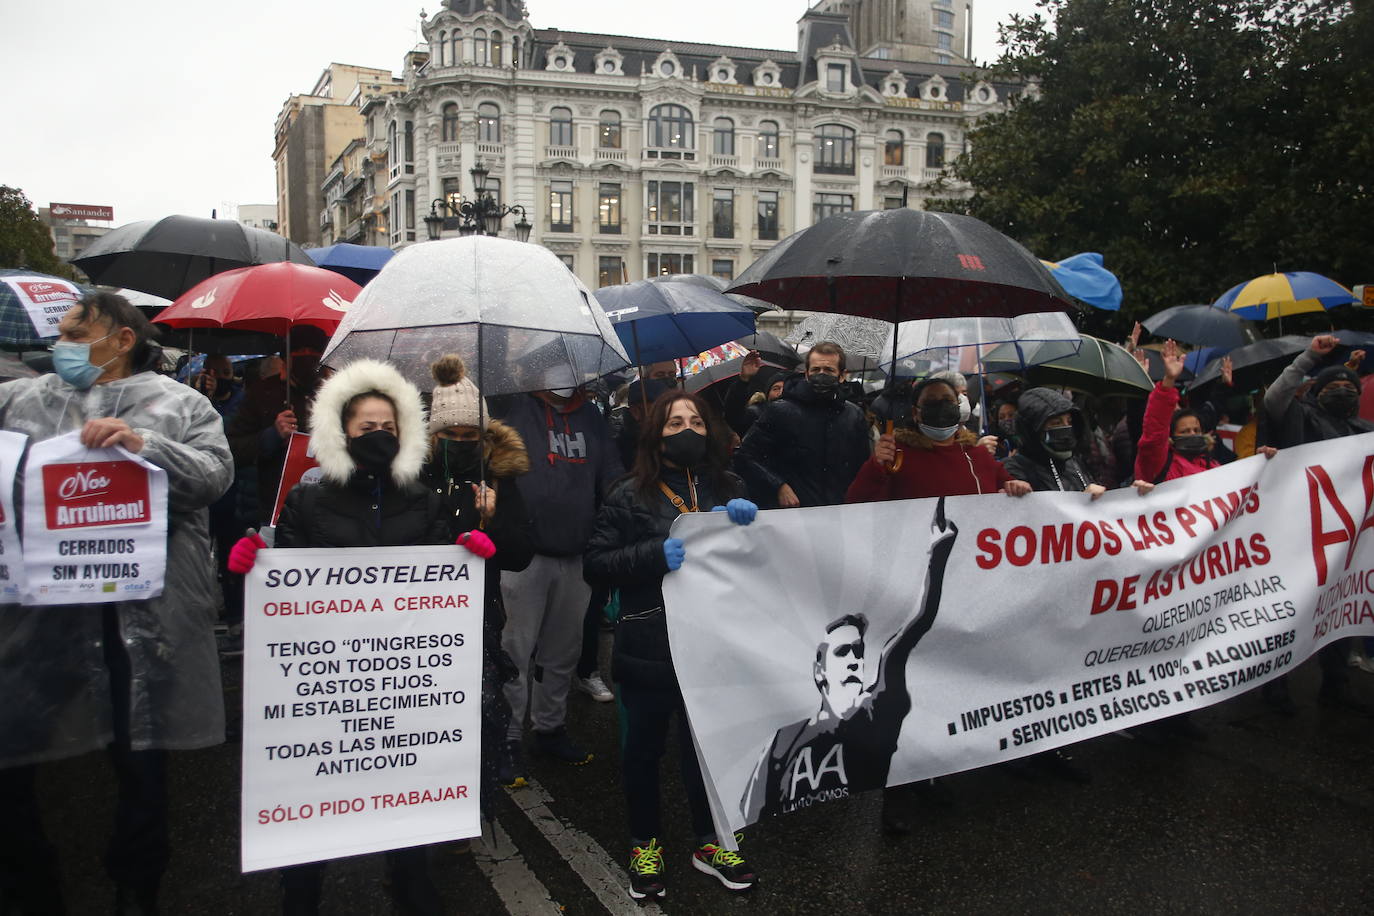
(640, 156)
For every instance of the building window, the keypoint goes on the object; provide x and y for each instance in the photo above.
(479, 47)
(560, 126)
(835, 149)
(943, 59)
(830, 204)
(768, 215)
(409, 141)
(935, 151)
(670, 207)
(410, 216)
(453, 196)
(723, 213)
(768, 140)
(608, 209)
(395, 223)
(610, 271)
(492, 189)
(455, 48)
(560, 206)
(723, 137)
(667, 68)
(670, 127)
(834, 77)
(608, 133)
(450, 127)
(893, 146)
(568, 262)
(944, 19)
(944, 41)
(723, 268)
(442, 55)
(893, 203)
(393, 148)
(660, 265)
(497, 49)
(488, 123)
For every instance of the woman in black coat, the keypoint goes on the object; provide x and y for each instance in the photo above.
(679, 467)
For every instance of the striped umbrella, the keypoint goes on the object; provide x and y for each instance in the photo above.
(1280, 294)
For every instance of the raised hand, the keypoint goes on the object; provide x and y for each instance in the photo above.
(1227, 372)
(1324, 343)
(1173, 363)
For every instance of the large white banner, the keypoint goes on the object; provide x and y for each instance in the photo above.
(95, 524)
(362, 697)
(830, 650)
(11, 557)
(46, 299)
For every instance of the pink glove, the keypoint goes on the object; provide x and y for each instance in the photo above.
(243, 553)
(477, 543)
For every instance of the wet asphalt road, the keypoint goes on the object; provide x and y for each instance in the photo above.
(1271, 814)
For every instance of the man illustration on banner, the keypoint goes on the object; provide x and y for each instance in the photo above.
(847, 744)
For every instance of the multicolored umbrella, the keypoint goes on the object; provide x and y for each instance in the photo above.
(1281, 294)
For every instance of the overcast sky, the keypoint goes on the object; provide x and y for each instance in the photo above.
(167, 106)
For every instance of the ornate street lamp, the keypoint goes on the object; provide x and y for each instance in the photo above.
(480, 216)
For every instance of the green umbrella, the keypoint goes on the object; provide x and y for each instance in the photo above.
(1099, 367)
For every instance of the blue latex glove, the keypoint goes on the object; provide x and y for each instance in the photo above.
(674, 553)
(740, 511)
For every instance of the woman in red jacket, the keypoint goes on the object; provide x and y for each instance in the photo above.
(938, 458)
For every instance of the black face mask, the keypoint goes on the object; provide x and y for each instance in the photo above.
(1007, 426)
(1194, 444)
(1060, 440)
(940, 414)
(824, 384)
(374, 451)
(1339, 402)
(459, 457)
(685, 449)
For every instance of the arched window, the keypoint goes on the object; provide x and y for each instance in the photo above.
(935, 151)
(455, 48)
(450, 128)
(768, 140)
(479, 47)
(723, 137)
(560, 126)
(835, 149)
(441, 54)
(894, 148)
(670, 126)
(488, 123)
(515, 51)
(497, 49)
(608, 132)
(393, 151)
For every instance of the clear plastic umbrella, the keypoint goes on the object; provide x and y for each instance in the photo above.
(519, 318)
(962, 343)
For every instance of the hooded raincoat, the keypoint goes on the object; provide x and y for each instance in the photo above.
(53, 674)
(1033, 463)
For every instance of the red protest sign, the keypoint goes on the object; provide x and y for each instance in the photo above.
(300, 461)
(90, 494)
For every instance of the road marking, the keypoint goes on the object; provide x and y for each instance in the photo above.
(603, 877)
(522, 893)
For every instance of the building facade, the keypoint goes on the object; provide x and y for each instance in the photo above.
(637, 156)
(927, 31)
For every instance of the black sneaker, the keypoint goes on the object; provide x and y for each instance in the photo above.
(646, 872)
(510, 769)
(558, 745)
(729, 868)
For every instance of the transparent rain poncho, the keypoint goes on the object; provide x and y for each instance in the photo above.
(53, 674)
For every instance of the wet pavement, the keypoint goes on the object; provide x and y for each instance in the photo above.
(1270, 814)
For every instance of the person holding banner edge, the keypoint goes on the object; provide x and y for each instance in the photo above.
(370, 437)
(680, 467)
(138, 678)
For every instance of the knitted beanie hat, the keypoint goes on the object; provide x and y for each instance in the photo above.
(455, 401)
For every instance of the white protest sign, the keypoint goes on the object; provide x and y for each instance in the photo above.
(362, 701)
(95, 524)
(11, 556)
(46, 299)
(888, 642)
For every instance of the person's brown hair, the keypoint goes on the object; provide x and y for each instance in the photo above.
(648, 466)
(351, 406)
(826, 348)
(117, 313)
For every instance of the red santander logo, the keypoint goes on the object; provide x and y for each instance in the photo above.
(93, 494)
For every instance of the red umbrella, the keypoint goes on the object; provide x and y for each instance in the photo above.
(269, 298)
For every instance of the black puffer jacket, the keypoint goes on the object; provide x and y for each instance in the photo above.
(368, 511)
(1033, 463)
(626, 551)
(814, 444)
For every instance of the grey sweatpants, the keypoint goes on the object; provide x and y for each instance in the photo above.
(545, 605)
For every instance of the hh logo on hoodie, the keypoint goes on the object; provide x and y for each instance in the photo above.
(567, 446)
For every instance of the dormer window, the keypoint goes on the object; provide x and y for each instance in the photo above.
(834, 77)
(667, 68)
(609, 61)
(559, 57)
(767, 74)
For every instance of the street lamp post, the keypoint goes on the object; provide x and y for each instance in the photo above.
(480, 216)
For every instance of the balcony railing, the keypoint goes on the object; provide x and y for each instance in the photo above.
(894, 171)
(560, 152)
(449, 149)
(606, 154)
(768, 163)
(933, 174)
(724, 162)
(491, 149)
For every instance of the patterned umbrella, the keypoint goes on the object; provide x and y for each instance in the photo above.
(1280, 294)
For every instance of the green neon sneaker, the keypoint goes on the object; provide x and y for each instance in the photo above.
(728, 867)
(646, 872)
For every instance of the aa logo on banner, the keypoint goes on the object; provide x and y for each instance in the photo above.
(889, 642)
(95, 524)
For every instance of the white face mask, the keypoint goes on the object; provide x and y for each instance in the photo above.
(965, 409)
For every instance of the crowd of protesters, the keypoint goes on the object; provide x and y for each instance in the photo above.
(572, 503)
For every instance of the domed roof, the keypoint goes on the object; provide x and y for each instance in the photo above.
(512, 10)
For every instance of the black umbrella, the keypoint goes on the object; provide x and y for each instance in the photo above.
(772, 349)
(1202, 325)
(1256, 364)
(727, 371)
(900, 265)
(168, 256)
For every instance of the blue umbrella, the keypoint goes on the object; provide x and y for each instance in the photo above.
(1084, 277)
(358, 263)
(669, 318)
(16, 327)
